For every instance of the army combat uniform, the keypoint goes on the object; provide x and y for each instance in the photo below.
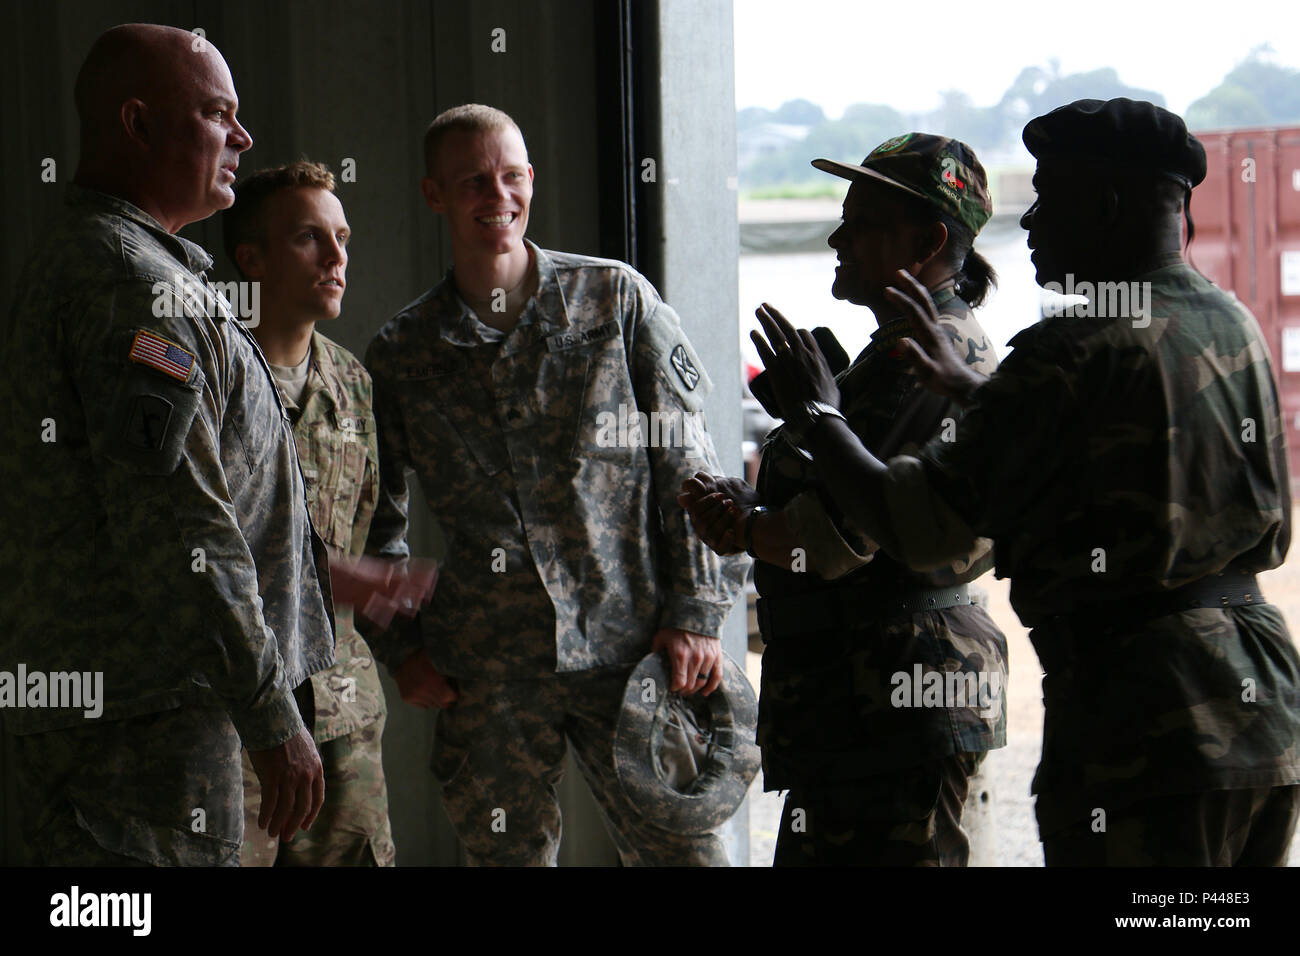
(1113, 464)
(876, 772)
(156, 532)
(566, 547)
(334, 426)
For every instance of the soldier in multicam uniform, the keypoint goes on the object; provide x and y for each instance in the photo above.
(288, 232)
(1131, 470)
(157, 529)
(872, 777)
(513, 390)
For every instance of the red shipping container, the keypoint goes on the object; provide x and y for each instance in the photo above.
(1247, 216)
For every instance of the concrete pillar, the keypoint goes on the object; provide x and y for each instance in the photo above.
(690, 238)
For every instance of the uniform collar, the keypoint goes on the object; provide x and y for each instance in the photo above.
(546, 312)
(194, 256)
(888, 335)
(323, 376)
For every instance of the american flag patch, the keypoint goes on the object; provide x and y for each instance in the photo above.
(149, 349)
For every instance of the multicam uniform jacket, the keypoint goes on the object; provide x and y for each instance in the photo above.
(828, 710)
(1112, 458)
(156, 527)
(338, 448)
(567, 549)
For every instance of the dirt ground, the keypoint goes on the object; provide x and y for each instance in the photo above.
(1008, 772)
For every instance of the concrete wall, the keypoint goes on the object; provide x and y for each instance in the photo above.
(335, 81)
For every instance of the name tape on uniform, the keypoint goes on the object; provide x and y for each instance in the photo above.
(567, 340)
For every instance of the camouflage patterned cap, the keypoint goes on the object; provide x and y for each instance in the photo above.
(943, 171)
(1120, 133)
(686, 762)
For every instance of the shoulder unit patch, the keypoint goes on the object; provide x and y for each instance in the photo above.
(684, 368)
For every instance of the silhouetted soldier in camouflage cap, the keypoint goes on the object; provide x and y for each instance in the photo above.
(529, 391)
(883, 687)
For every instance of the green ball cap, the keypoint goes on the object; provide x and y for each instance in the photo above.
(944, 172)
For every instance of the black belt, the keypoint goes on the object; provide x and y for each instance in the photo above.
(1225, 589)
(1060, 647)
(849, 607)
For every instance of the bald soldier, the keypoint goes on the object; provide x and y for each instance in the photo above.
(1129, 463)
(157, 542)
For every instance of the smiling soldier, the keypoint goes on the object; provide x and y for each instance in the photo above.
(875, 774)
(568, 558)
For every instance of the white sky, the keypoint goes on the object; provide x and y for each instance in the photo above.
(838, 52)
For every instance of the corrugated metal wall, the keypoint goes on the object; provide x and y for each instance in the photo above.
(333, 80)
(1247, 216)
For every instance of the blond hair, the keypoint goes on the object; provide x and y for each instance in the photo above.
(469, 118)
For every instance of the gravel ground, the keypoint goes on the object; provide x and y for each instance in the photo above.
(1008, 772)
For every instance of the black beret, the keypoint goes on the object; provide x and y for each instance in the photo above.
(1122, 133)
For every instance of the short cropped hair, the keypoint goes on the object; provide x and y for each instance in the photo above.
(469, 118)
(243, 222)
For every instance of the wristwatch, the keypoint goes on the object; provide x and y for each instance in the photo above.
(797, 430)
(749, 529)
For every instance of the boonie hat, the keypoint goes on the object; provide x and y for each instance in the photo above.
(686, 762)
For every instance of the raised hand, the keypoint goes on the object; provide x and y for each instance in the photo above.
(798, 370)
(929, 351)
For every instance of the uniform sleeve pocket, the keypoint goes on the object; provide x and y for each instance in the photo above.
(610, 426)
(150, 420)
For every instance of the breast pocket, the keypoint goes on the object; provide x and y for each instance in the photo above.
(334, 468)
(472, 432)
